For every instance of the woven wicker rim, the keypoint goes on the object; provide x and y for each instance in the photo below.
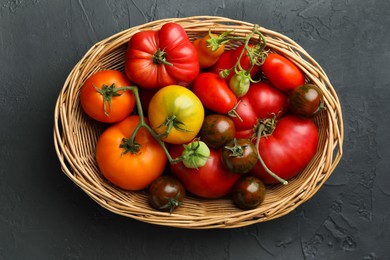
(75, 136)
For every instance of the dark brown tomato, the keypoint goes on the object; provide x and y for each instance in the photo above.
(248, 192)
(305, 100)
(239, 156)
(166, 193)
(217, 130)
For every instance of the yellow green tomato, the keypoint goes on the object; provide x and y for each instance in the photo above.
(176, 114)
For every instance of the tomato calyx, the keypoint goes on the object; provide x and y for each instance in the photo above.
(160, 57)
(172, 203)
(214, 42)
(264, 128)
(129, 146)
(236, 150)
(107, 93)
(172, 122)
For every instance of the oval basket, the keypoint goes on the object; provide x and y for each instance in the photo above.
(75, 136)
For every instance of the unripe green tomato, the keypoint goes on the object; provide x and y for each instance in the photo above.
(195, 154)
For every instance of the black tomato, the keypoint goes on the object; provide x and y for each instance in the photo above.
(217, 130)
(248, 192)
(239, 156)
(305, 100)
(166, 193)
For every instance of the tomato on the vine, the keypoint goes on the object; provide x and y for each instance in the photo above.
(212, 180)
(229, 58)
(129, 166)
(104, 96)
(176, 113)
(214, 93)
(155, 59)
(282, 72)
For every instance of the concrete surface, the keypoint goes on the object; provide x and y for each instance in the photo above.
(43, 215)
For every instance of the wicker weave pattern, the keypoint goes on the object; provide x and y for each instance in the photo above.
(75, 136)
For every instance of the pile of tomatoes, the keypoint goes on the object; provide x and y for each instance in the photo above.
(190, 116)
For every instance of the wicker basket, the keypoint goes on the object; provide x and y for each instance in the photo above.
(75, 136)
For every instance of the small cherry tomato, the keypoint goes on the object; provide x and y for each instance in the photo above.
(217, 130)
(240, 83)
(305, 100)
(166, 193)
(248, 192)
(239, 156)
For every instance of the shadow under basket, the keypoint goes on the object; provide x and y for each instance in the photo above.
(75, 136)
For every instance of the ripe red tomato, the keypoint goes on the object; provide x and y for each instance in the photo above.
(262, 101)
(214, 93)
(129, 170)
(212, 180)
(289, 148)
(230, 57)
(101, 98)
(155, 59)
(282, 73)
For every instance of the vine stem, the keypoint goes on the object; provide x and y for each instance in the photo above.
(143, 124)
(259, 131)
(262, 43)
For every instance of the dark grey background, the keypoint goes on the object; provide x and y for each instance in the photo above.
(43, 215)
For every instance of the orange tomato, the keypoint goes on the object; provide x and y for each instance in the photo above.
(129, 170)
(209, 51)
(102, 99)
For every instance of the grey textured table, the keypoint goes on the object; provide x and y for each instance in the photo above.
(43, 215)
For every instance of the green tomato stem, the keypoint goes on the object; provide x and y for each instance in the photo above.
(259, 132)
(107, 93)
(131, 141)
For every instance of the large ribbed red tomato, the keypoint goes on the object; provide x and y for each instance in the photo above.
(158, 58)
(288, 149)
